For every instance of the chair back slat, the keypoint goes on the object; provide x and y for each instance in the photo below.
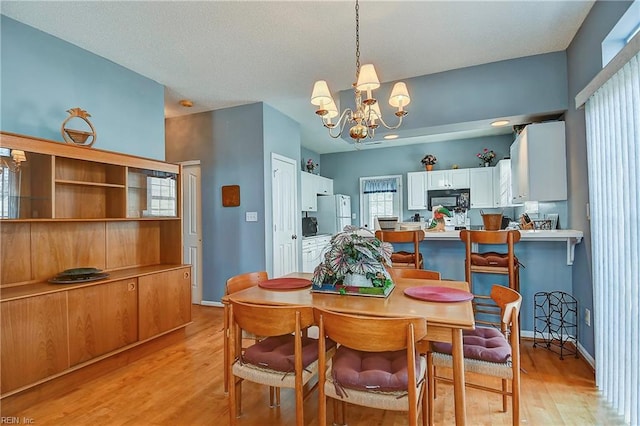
(270, 320)
(242, 281)
(357, 332)
(423, 274)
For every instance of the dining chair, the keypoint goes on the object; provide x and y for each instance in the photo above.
(233, 285)
(487, 351)
(283, 359)
(404, 259)
(375, 364)
(423, 274)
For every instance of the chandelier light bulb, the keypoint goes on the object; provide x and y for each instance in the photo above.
(321, 95)
(399, 97)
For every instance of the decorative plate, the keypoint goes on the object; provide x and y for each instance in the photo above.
(65, 279)
(438, 294)
(78, 271)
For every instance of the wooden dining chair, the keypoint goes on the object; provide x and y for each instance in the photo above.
(284, 358)
(375, 365)
(404, 259)
(487, 351)
(423, 274)
(233, 285)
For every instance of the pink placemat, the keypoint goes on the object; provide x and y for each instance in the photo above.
(438, 294)
(285, 283)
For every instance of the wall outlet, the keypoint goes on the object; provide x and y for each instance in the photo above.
(587, 317)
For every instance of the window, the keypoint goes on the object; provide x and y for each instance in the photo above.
(379, 196)
(161, 196)
(626, 28)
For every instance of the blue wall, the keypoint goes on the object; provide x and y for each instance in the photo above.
(584, 61)
(43, 77)
(235, 147)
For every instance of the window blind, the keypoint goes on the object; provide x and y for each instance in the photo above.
(613, 153)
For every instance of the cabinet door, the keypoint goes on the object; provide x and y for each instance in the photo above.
(417, 190)
(324, 186)
(164, 302)
(481, 187)
(308, 191)
(102, 318)
(308, 246)
(519, 169)
(459, 178)
(439, 179)
(34, 339)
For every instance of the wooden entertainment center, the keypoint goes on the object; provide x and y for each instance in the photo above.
(67, 207)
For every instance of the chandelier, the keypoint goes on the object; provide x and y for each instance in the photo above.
(365, 116)
(17, 157)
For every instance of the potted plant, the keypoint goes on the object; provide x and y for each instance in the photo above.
(311, 166)
(355, 263)
(428, 161)
(486, 157)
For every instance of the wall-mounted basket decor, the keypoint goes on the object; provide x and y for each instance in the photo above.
(78, 137)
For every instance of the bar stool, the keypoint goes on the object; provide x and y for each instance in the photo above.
(404, 259)
(490, 262)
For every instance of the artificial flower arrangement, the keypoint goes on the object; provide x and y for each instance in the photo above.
(429, 160)
(311, 166)
(355, 263)
(486, 156)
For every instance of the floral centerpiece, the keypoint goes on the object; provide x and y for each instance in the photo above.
(355, 263)
(486, 157)
(311, 166)
(428, 161)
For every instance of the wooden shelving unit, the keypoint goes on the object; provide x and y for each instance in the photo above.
(70, 206)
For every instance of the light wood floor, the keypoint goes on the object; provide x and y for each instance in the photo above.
(182, 385)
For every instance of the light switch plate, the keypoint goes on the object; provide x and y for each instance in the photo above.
(251, 216)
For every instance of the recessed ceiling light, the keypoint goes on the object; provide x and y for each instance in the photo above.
(186, 103)
(500, 123)
(390, 137)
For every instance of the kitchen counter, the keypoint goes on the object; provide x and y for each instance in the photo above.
(571, 236)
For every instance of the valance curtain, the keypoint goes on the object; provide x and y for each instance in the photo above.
(372, 186)
(613, 152)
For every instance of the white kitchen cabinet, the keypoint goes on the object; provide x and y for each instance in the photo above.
(313, 250)
(448, 179)
(308, 191)
(417, 190)
(539, 163)
(481, 187)
(312, 185)
(324, 186)
(502, 184)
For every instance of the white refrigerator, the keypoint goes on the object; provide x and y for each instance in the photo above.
(334, 213)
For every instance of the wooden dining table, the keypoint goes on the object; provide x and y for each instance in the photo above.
(445, 320)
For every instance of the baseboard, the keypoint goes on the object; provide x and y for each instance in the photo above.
(211, 303)
(587, 357)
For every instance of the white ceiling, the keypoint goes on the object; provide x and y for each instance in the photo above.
(226, 53)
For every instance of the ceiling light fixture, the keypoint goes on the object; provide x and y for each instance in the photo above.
(499, 123)
(366, 115)
(391, 136)
(186, 103)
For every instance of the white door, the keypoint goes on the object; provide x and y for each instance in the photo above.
(284, 190)
(192, 226)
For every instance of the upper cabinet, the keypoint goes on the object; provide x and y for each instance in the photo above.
(481, 187)
(448, 179)
(502, 184)
(312, 185)
(417, 190)
(538, 163)
(51, 180)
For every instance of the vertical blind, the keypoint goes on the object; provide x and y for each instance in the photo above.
(613, 153)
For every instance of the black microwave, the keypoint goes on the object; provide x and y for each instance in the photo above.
(449, 198)
(309, 226)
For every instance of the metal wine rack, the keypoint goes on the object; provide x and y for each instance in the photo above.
(556, 322)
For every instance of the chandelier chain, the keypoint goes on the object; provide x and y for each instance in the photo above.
(357, 40)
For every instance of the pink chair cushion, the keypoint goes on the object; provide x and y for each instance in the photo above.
(380, 371)
(483, 343)
(277, 353)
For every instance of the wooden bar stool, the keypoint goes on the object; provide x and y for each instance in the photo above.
(404, 259)
(490, 262)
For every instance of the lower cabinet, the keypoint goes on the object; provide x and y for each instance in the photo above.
(313, 250)
(164, 301)
(95, 327)
(34, 339)
(47, 334)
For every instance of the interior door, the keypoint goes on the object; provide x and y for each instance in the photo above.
(284, 189)
(192, 226)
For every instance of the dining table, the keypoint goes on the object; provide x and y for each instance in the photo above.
(445, 319)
